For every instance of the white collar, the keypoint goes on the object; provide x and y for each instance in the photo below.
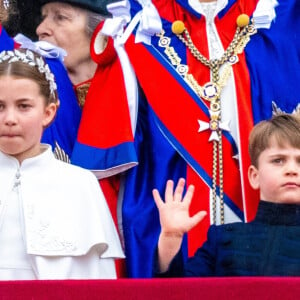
(198, 6)
(46, 153)
(263, 15)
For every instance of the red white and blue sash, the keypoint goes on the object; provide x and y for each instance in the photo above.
(178, 108)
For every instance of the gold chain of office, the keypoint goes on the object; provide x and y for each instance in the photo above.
(211, 91)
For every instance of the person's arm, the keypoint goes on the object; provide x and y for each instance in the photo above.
(175, 220)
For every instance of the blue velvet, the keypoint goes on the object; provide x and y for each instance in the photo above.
(63, 129)
(272, 57)
(158, 161)
(95, 158)
(6, 42)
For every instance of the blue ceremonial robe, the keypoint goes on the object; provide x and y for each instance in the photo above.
(272, 61)
(62, 132)
(6, 42)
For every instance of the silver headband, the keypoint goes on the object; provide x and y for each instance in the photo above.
(6, 4)
(29, 58)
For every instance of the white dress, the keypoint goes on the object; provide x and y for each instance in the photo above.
(54, 221)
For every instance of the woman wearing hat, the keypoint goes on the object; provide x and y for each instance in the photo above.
(69, 25)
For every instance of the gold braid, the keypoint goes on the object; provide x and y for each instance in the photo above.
(211, 91)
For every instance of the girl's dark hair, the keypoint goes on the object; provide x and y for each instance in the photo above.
(8, 13)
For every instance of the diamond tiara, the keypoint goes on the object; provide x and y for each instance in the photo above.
(29, 58)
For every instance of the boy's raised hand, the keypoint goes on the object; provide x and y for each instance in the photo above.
(174, 212)
(174, 219)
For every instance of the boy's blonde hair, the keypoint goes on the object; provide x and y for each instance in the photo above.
(284, 128)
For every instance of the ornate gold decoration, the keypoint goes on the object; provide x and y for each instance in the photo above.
(81, 92)
(211, 91)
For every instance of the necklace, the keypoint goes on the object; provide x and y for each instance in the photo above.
(211, 91)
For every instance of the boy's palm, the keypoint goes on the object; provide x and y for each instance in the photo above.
(174, 212)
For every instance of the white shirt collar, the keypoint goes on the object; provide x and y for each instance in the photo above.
(198, 6)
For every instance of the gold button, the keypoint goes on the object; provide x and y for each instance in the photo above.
(242, 20)
(178, 27)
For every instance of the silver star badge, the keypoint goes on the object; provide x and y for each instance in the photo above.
(213, 125)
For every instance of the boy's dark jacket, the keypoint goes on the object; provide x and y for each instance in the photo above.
(268, 246)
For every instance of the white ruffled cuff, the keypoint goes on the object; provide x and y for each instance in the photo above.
(147, 20)
(264, 13)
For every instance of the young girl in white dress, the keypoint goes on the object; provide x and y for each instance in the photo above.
(54, 220)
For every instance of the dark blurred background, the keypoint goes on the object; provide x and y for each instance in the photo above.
(24, 18)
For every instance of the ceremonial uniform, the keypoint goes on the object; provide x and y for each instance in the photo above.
(180, 132)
